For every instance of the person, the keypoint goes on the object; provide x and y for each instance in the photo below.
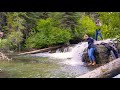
(1, 34)
(91, 49)
(98, 30)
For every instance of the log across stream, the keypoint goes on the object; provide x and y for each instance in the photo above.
(106, 71)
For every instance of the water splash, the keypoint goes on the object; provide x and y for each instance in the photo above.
(117, 76)
(72, 56)
(76, 54)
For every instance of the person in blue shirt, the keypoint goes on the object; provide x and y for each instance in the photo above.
(91, 49)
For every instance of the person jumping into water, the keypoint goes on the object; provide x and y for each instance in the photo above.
(98, 30)
(91, 49)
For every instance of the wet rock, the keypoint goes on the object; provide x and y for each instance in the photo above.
(117, 44)
(118, 47)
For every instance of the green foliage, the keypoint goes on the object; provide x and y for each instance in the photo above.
(46, 34)
(117, 38)
(43, 29)
(14, 27)
(15, 21)
(56, 17)
(14, 38)
(4, 43)
(110, 22)
(87, 25)
(69, 19)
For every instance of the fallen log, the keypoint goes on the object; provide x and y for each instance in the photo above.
(39, 51)
(4, 57)
(106, 71)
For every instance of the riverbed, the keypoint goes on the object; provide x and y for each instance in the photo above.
(65, 64)
(39, 67)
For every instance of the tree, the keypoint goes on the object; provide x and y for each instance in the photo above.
(2, 19)
(87, 25)
(22, 27)
(31, 19)
(15, 25)
(110, 21)
(69, 20)
(47, 35)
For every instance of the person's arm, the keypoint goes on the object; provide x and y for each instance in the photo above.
(100, 24)
(90, 42)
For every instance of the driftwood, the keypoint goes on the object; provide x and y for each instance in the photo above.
(106, 71)
(39, 51)
(4, 57)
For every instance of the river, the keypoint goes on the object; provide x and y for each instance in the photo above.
(60, 64)
(66, 64)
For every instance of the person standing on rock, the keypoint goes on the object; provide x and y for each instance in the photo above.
(98, 30)
(91, 49)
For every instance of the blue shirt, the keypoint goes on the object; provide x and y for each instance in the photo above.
(90, 43)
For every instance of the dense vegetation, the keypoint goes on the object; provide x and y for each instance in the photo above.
(27, 30)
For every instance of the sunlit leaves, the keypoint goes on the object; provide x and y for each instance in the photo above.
(47, 34)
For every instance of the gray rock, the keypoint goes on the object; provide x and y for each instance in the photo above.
(101, 54)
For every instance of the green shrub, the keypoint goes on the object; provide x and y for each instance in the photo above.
(46, 34)
(87, 26)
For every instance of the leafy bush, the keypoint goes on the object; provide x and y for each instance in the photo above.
(46, 34)
(12, 40)
(87, 25)
(111, 26)
(4, 43)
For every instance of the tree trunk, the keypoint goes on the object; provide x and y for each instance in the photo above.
(39, 51)
(106, 71)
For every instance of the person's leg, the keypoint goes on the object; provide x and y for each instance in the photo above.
(96, 35)
(89, 57)
(92, 50)
(99, 32)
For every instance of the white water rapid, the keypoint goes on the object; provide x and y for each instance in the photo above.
(71, 57)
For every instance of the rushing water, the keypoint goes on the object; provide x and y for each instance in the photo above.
(70, 59)
(66, 64)
(70, 55)
(61, 64)
(117, 76)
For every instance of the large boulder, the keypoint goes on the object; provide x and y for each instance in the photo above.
(102, 55)
(118, 46)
